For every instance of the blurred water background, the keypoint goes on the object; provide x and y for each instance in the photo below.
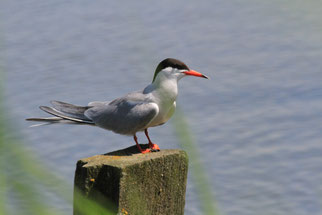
(257, 122)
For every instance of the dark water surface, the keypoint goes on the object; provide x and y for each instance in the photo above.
(257, 121)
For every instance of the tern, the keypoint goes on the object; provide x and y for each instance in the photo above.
(135, 112)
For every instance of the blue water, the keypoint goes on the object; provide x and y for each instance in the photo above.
(257, 121)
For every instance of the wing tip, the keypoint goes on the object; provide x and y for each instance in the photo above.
(44, 108)
(52, 101)
(55, 102)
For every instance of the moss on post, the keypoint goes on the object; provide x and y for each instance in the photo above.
(132, 183)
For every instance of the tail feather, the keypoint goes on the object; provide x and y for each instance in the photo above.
(64, 113)
(71, 110)
(45, 119)
(52, 120)
(54, 112)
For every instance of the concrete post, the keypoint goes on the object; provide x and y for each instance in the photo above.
(132, 183)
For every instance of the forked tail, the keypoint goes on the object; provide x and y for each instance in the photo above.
(64, 113)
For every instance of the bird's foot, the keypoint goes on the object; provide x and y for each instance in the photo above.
(144, 151)
(154, 147)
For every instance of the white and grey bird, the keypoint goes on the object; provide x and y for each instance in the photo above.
(132, 113)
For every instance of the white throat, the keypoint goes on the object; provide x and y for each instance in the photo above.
(166, 86)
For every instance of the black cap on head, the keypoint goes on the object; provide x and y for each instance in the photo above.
(170, 62)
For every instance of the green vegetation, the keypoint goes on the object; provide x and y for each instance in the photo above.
(196, 169)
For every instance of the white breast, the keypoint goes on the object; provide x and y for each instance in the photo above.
(163, 116)
(164, 92)
(167, 106)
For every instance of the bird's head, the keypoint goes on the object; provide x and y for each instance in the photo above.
(171, 68)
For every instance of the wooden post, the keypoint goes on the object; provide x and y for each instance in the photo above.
(133, 183)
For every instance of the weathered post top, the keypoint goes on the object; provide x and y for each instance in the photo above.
(135, 183)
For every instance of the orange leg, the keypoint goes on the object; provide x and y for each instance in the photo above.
(139, 147)
(152, 146)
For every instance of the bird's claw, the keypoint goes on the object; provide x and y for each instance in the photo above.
(154, 147)
(144, 151)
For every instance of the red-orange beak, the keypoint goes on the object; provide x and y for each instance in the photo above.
(195, 73)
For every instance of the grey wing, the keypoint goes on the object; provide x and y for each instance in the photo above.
(123, 116)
